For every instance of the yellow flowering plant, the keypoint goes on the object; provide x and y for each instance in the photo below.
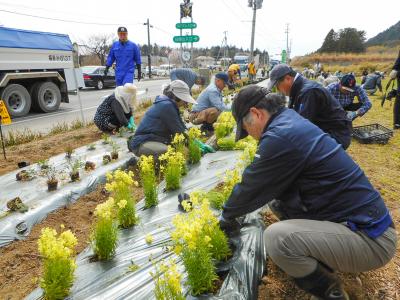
(149, 182)
(198, 240)
(172, 164)
(224, 124)
(167, 280)
(194, 149)
(120, 185)
(104, 237)
(57, 251)
(178, 143)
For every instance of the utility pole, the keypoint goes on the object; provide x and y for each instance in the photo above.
(148, 46)
(254, 4)
(287, 43)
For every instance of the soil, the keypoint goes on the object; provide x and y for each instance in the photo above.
(47, 147)
(51, 145)
(20, 264)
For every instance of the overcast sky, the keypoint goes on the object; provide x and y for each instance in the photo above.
(310, 20)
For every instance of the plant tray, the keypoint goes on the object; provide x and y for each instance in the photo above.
(373, 133)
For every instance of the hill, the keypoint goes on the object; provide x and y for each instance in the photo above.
(390, 35)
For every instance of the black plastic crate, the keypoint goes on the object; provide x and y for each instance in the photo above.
(373, 133)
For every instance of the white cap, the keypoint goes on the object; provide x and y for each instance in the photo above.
(181, 90)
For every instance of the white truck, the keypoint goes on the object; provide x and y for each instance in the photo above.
(37, 70)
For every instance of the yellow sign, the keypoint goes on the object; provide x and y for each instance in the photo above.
(5, 117)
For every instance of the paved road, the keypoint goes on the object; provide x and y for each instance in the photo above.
(69, 112)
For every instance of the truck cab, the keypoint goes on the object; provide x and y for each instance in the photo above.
(37, 70)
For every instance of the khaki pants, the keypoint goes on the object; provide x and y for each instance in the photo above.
(297, 245)
(151, 148)
(209, 115)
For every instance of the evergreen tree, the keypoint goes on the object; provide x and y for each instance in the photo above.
(330, 43)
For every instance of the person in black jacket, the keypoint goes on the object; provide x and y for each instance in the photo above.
(335, 218)
(395, 74)
(116, 111)
(313, 102)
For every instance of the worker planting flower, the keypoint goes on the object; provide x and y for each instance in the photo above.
(331, 217)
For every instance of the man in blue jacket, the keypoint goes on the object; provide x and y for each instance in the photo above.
(210, 103)
(126, 55)
(334, 218)
(188, 76)
(313, 102)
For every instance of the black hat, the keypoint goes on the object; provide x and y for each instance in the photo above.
(122, 29)
(277, 73)
(348, 82)
(247, 97)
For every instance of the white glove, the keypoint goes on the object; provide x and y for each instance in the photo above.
(393, 74)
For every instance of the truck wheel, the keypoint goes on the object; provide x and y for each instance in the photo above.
(99, 85)
(17, 99)
(46, 97)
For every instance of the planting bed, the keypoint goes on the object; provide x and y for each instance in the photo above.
(115, 279)
(40, 202)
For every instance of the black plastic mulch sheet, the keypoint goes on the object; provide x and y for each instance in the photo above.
(113, 279)
(40, 202)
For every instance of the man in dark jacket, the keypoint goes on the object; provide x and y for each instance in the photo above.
(313, 102)
(162, 121)
(372, 83)
(395, 75)
(336, 220)
(188, 76)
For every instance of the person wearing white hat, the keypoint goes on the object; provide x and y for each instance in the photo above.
(116, 110)
(162, 121)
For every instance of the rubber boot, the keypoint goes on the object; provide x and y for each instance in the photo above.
(396, 111)
(322, 284)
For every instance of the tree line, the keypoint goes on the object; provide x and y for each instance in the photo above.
(345, 40)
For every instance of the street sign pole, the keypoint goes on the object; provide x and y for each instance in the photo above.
(2, 140)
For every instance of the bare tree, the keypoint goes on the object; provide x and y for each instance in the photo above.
(99, 45)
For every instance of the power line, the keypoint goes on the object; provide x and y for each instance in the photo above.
(63, 20)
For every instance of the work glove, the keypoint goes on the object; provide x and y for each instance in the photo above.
(139, 74)
(131, 124)
(393, 74)
(183, 197)
(106, 71)
(204, 147)
(231, 227)
(351, 115)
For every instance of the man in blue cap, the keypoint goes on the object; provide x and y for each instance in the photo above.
(210, 103)
(126, 55)
(313, 102)
(345, 91)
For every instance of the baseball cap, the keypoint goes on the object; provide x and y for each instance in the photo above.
(247, 97)
(223, 76)
(348, 82)
(181, 90)
(278, 72)
(122, 29)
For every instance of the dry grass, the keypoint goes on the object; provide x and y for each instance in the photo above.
(375, 58)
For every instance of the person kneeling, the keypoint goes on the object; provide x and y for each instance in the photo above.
(115, 111)
(162, 121)
(209, 104)
(335, 219)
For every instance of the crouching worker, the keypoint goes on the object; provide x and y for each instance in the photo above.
(162, 121)
(210, 104)
(334, 219)
(116, 110)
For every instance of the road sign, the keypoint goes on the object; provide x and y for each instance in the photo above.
(5, 117)
(186, 39)
(186, 25)
(186, 55)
